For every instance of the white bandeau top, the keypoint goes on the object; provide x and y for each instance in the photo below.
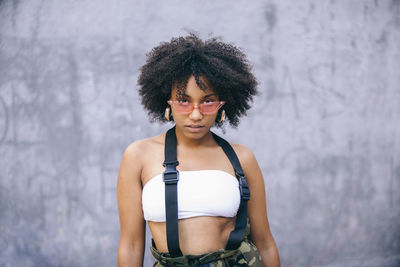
(200, 193)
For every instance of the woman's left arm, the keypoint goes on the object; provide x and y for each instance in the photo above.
(257, 208)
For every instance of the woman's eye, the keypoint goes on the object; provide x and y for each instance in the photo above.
(208, 101)
(183, 101)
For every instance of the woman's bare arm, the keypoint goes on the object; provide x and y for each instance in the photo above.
(129, 194)
(257, 208)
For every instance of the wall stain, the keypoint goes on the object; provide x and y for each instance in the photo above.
(270, 16)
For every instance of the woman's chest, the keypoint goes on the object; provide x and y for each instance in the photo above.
(206, 159)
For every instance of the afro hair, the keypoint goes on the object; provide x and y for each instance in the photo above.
(223, 65)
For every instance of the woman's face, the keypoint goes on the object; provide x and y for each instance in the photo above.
(194, 124)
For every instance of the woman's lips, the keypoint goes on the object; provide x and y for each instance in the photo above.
(194, 128)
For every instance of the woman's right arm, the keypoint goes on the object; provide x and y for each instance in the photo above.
(129, 194)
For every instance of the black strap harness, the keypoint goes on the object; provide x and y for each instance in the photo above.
(171, 178)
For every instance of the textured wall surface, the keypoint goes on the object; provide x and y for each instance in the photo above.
(325, 128)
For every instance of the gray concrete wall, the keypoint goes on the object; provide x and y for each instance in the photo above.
(325, 128)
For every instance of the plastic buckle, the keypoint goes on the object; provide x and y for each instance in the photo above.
(171, 177)
(244, 188)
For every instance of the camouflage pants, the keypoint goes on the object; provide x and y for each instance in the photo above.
(246, 255)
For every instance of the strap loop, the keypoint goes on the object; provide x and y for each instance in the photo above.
(173, 162)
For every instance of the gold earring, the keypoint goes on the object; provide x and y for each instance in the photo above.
(222, 119)
(167, 114)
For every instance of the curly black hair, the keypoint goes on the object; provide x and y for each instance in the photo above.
(224, 65)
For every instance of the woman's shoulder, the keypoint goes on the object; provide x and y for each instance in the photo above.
(243, 152)
(146, 145)
(141, 152)
(249, 163)
(246, 156)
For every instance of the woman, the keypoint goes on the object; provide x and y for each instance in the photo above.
(196, 85)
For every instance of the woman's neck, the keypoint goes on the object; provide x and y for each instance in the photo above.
(192, 143)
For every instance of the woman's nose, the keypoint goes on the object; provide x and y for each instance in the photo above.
(196, 114)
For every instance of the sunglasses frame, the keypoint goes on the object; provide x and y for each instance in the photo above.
(193, 106)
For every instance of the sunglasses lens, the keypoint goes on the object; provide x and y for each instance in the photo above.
(209, 108)
(183, 107)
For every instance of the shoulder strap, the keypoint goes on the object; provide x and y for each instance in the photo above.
(236, 236)
(171, 178)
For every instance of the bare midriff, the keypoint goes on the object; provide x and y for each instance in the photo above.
(197, 235)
